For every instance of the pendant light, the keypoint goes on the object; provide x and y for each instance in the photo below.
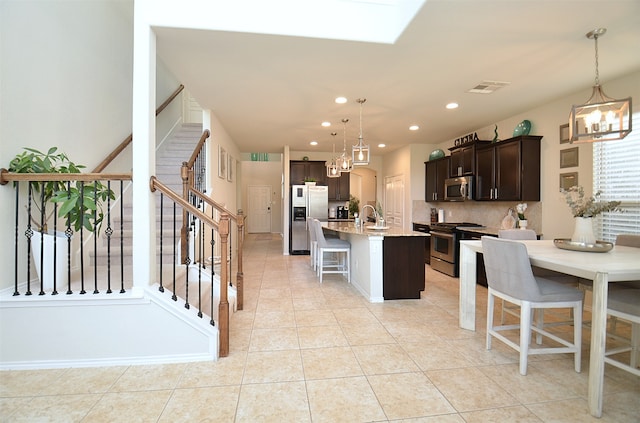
(601, 118)
(332, 165)
(345, 163)
(360, 152)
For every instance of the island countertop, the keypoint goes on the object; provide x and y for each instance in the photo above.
(350, 228)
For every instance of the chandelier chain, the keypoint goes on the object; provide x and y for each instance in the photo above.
(595, 37)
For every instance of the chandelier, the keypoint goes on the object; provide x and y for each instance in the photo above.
(332, 165)
(360, 152)
(601, 118)
(344, 162)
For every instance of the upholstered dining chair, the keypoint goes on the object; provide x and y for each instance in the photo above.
(510, 277)
(340, 247)
(625, 304)
(530, 234)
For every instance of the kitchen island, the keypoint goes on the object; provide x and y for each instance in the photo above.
(385, 264)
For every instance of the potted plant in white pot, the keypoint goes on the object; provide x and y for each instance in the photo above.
(79, 206)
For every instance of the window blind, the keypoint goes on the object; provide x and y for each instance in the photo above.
(616, 172)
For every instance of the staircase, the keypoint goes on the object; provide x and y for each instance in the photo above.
(169, 158)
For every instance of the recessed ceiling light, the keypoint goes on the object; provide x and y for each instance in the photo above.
(314, 142)
(382, 145)
(341, 100)
(325, 124)
(414, 128)
(452, 106)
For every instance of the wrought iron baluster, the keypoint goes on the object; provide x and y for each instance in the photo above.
(108, 232)
(55, 249)
(43, 223)
(69, 233)
(17, 236)
(213, 243)
(82, 290)
(95, 237)
(200, 272)
(174, 297)
(161, 289)
(122, 290)
(29, 233)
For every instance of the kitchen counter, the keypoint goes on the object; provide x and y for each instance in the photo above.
(385, 265)
(335, 219)
(350, 228)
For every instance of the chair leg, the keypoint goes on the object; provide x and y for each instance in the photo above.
(320, 263)
(577, 335)
(490, 307)
(348, 266)
(635, 345)
(525, 334)
(540, 325)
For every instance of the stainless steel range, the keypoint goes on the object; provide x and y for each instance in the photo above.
(445, 247)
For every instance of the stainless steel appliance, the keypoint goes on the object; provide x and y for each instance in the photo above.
(458, 189)
(445, 254)
(343, 212)
(306, 201)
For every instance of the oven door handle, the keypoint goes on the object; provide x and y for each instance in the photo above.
(442, 234)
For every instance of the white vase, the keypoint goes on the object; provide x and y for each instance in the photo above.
(583, 231)
(45, 274)
(523, 223)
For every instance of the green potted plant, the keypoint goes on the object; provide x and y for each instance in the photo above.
(80, 205)
(308, 180)
(354, 205)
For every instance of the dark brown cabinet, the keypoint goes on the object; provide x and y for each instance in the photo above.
(339, 187)
(435, 173)
(509, 170)
(463, 159)
(301, 169)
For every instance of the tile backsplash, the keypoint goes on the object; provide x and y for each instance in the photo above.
(486, 213)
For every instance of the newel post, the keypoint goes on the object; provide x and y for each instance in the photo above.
(240, 274)
(223, 305)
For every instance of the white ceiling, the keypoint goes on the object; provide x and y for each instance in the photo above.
(269, 91)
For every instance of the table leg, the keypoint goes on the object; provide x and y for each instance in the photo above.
(467, 288)
(598, 340)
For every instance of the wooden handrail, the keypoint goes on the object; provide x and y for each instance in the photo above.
(155, 184)
(6, 176)
(201, 195)
(124, 144)
(223, 230)
(196, 151)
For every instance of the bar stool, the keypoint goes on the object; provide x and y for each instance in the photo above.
(625, 304)
(337, 246)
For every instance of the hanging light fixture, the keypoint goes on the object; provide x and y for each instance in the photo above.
(360, 152)
(332, 165)
(345, 163)
(601, 118)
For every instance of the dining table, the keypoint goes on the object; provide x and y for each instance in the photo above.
(617, 265)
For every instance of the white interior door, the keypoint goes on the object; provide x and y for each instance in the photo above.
(394, 201)
(259, 216)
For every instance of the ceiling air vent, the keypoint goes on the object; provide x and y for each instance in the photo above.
(487, 87)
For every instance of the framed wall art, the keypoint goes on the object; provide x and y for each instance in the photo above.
(231, 170)
(222, 162)
(569, 157)
(564, 133)
(567, 180)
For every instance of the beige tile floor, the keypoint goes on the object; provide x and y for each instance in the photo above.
(305, 352)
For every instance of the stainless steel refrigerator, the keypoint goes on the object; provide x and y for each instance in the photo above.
(306, 201)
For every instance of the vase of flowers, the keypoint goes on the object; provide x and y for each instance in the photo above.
(584, 209)
(522, 220)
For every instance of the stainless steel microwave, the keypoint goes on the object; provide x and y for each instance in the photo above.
(458, 189)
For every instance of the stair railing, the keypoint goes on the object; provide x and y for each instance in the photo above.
(222, 228)
(57, 266)
(124, 144)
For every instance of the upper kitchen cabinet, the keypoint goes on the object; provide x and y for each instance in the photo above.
(435, 173)
(301, 169)
(509, 170)
(463, 159)
(339, 187)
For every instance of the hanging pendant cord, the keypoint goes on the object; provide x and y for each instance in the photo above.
(597, 73)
